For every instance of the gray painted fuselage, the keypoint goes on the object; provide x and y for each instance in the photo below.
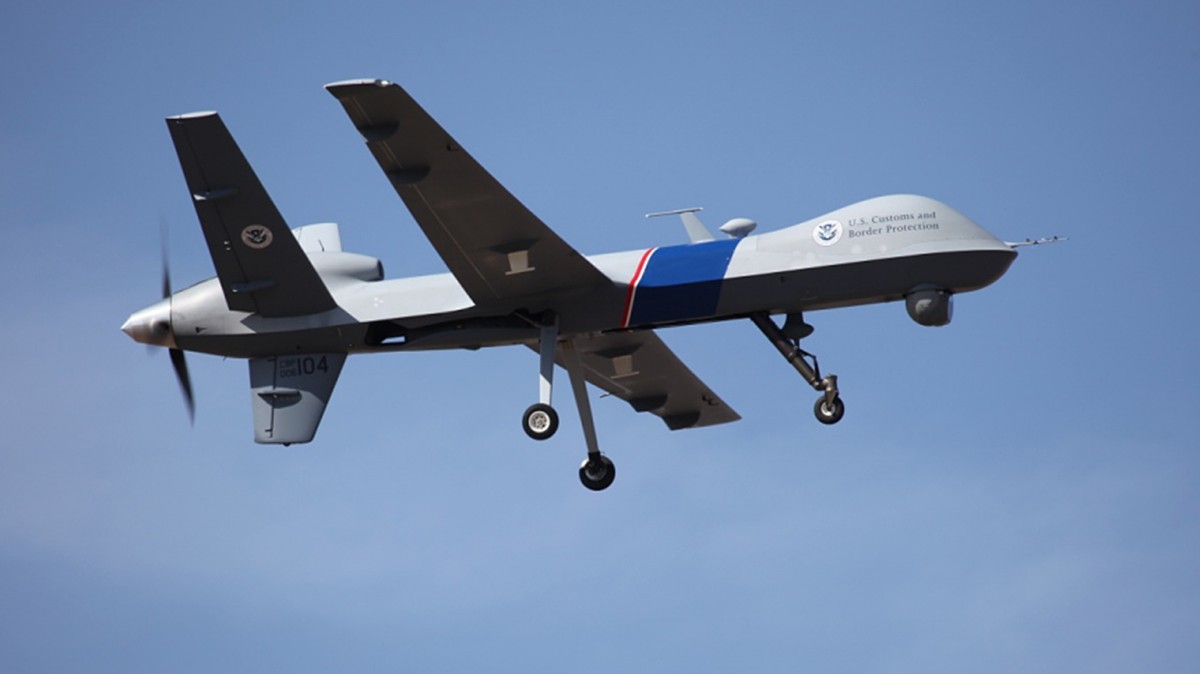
(880, 250)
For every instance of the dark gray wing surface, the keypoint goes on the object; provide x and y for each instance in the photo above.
(497, 249)
(640, 369)
(259, 262)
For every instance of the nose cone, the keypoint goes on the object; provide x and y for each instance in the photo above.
(151, 325)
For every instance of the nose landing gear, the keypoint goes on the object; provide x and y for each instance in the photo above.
(828, 413)
(829, 408)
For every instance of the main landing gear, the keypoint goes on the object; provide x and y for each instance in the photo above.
(596, 474)
(829, 408)
(541, 421)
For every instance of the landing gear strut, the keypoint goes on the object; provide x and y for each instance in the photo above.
(829, 408)
(541, 421)
(597, 471)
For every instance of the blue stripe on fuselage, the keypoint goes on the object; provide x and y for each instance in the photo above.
(682, 282)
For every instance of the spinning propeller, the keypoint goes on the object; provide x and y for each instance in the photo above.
(152, 326)
(178, 362)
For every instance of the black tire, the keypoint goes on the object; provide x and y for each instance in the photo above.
(540, 421)
(829, 415)
(597, 474)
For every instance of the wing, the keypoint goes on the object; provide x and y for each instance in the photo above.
(261, 266)
(640, 369)
(496, 248)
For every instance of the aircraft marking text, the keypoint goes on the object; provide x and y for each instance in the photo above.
(299, 366)
(892, 224)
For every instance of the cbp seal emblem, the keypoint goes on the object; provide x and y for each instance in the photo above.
(827, 233)
(257, 237)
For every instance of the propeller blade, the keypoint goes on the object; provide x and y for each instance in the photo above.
(178, 361)
(185, 382)
(166, 280)
(166, 266)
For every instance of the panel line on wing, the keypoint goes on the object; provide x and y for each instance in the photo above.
(470, 259)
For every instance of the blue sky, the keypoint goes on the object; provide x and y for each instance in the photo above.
(1014, 492)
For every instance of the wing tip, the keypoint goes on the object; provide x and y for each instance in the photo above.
(700, 417)
(194, 115)
(345, 87)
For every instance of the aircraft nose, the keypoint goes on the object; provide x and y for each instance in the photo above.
(151, 325)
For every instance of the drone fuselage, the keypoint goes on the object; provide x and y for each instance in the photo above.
(874, 251)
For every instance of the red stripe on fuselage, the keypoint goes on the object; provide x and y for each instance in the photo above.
(633, 283)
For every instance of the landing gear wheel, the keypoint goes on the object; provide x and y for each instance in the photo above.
(597, 473)
(829, 414)
(540, 421)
